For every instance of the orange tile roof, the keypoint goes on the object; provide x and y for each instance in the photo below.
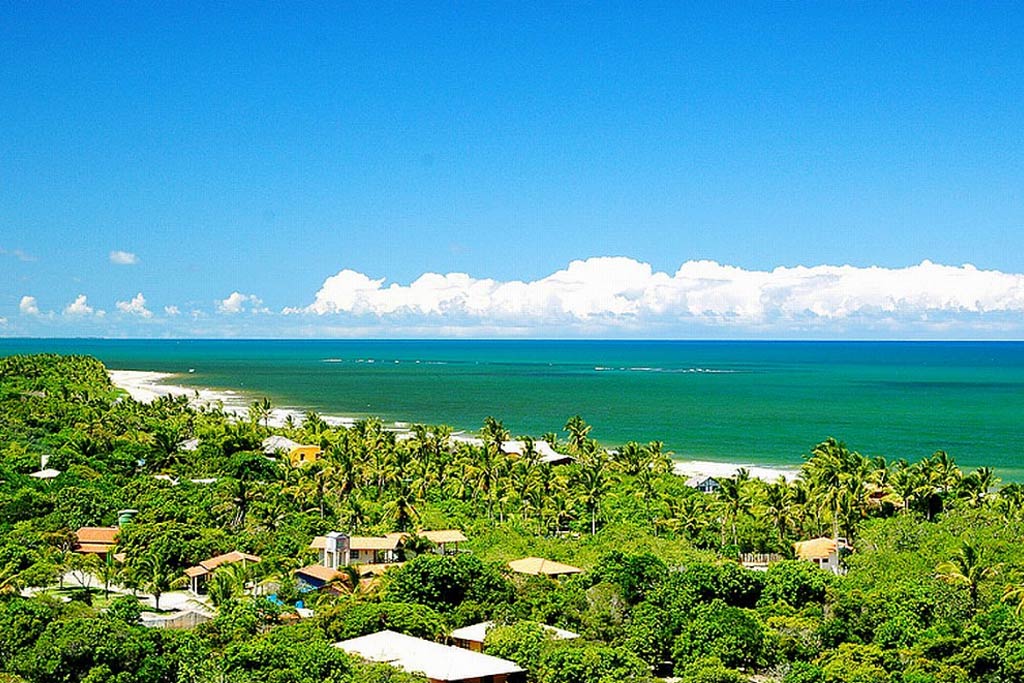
(93, 548)
(228, 558)
(98, 534)
(318, 571)
(207, 566)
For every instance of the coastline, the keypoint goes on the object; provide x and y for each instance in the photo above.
(146, 386)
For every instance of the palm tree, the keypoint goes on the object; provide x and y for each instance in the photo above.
(777, 507)
(156, 577)
(943, 471)
(966, 569)
(226, 583)
(975, 487)
(579, 432)
(735, 499)
(828, 470)
(346, 581)
(401, 510)
(259, 411)
(633, 458)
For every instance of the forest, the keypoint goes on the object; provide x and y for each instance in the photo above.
(931, 592)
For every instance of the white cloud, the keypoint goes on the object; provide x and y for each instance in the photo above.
(123, 258)
(19, 254)
(238, 302)
(172, 310)
(79, 307)
(137, 306)
(3, 321)
(618, 292)
(28, 306)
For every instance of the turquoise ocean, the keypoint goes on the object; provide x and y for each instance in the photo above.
(757, 402)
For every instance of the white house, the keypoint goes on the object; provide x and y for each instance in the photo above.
(438, 663)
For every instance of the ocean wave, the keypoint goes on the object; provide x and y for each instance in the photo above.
(672, 371)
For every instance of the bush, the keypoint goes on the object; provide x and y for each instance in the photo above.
(442, 582)
(733, 635)
(795, 582)
(353, 620)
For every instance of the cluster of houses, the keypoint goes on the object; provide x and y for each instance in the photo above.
(342, 556)
(298, 454)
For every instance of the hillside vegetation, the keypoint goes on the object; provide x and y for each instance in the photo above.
(933, 593)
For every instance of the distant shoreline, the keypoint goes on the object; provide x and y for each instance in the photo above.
(146, 386)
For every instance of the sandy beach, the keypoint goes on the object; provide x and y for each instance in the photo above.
(146, 386)
(709, 468)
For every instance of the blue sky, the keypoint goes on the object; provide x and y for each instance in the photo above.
(264, 152)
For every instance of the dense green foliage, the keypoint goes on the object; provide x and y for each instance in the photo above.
(934, 592)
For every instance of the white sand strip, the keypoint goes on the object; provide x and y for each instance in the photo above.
(145, 386)
(710, 468)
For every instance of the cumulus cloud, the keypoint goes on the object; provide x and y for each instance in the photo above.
(238, 302)
(79, 307)
(172, 310)
(28, 305)
(123, 258)
(137, 306)
(616, 292)
(3, 321)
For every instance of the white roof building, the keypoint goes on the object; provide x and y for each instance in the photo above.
(541, 448)
(477, 632)
(438, 663)
(277, 443)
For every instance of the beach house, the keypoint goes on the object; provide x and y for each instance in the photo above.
(437, 663)
(704, 484)
(369, 555)
(200, 574)
(296, 453)
(826, 553)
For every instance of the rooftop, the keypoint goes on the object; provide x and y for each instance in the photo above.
(538, 566)
(106, 535)
(542, 448)
(436, 662)
(477, 632)
(207, 566)
(818, 548)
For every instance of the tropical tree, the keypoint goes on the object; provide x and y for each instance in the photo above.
(156, 577)
(734, 495)
(579, 434)
(967, 568)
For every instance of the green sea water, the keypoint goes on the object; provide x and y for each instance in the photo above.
(763, 403)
